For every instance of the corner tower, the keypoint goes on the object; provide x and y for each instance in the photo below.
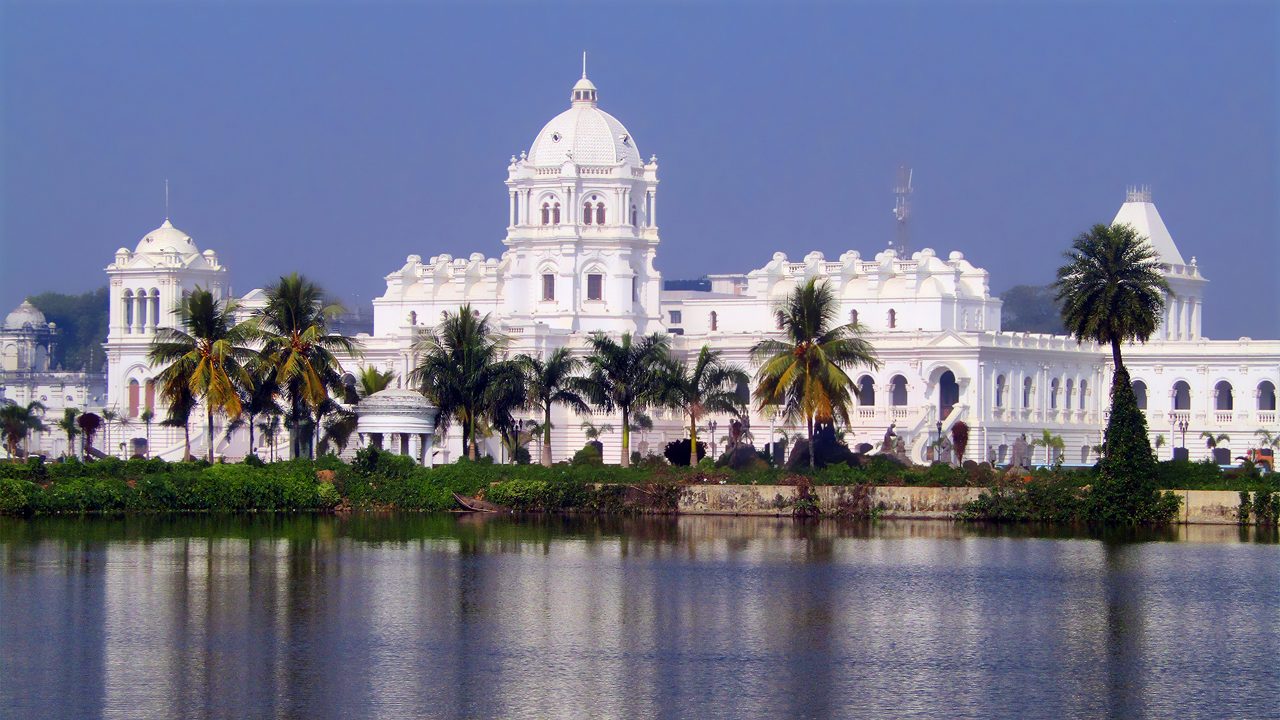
(1183, 312)
(582, 229)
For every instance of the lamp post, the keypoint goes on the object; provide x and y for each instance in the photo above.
(1179, 424)
(938, 452)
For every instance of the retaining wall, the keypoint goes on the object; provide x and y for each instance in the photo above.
(1213, 507)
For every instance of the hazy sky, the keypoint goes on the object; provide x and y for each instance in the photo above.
(336, 139)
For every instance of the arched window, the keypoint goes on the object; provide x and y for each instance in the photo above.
(413, 317)
(149, 399)
(595, 286)
(1222, 397)
(555, 214)
(546, 213)
(866, 391)
(1026, 392)
(634, 217)
(715, 320)
(1071, 389)
(1053, 394)
(853, 317)
(548, 286)
(893, 318)
(586, 213)
(1084, 392)
(135, 397)
(1140, 392)
(1266, 395)
(127, 300)
(1181, 395)
(898, 391)
(1001, 390)
(599, 213)
(155, 307)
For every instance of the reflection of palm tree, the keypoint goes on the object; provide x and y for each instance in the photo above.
(804, 374)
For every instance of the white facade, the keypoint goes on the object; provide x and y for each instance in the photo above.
(580, 250)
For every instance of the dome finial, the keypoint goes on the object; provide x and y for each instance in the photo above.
(584, 64)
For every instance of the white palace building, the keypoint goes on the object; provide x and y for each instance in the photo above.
(579, 255)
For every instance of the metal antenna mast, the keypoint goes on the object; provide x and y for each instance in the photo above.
(902, 212)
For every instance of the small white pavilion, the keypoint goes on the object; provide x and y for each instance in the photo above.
(399, 421)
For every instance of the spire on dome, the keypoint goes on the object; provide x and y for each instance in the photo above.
(584, 91)
(1140, 211)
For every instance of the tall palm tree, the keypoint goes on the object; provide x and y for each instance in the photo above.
(270, 431)
(259, 397)
(208, 353)
(1050, 443)
(1111, 290)
(148, 416)
(805, 373)
(460, 359)
(550, 382)
(709, 386)
(180, 403)
(625, 375)
(297, 344)
(507, 394)
(68, 425)
(17, 422)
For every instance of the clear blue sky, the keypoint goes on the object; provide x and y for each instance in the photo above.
(336, 139)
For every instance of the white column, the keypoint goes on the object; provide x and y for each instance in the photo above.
(511, 208)
(427, 460)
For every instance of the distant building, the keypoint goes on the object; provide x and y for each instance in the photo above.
(580, 248)
(27, 375)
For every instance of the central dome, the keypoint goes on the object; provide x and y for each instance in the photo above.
(584, 134)
(167, 238)
(25, 315)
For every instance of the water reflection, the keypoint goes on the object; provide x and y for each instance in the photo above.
(441, 616)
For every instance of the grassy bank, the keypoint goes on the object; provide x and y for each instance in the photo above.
(384, 481)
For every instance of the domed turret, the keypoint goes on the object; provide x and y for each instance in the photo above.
(165, 239)
(584, 134)
(25, 315)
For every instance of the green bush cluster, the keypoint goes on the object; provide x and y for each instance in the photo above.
(1056, 498)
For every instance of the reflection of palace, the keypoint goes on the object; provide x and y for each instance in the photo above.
(581, 242)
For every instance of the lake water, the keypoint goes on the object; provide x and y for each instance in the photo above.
(702, 617)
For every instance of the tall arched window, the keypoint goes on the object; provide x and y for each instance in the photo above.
(1027, 387)
(1071, 389)
(135, 397)
(1001, 390)
(555, 214)
(586, 213)
(715, 320)
(1140, 392)
(866, 391)
(546, 213)
(634, 217)
(1053, 394)
(1181, 395)
(1084, 392)
(1266, 395)
(1222, 396)
(127, 301)
(149, 399)
(893, 318)
(599, 213)
(898, 391)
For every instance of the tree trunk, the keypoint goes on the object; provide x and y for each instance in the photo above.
(813, 462)
(546, 436)
(251, 434)
(186, 439)
(626, 437)
(209, 421)
(693, 441)
(1115, 355)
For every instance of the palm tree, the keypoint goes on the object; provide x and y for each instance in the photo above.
(626, 376)
(1111, 290)
(108, 416)
(207, 353)
(180, 401)
(507, 394)
(460, 358)
(550, 382)
(1050, 443)
(148, 416)
(1212, 441)
(593, 431)
(68, 425)
(709, 387)
(1159, 444)
(124, 431)
(259, 397)
(270, 430)
(805, 374)
(298, 346)
(17, 422)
